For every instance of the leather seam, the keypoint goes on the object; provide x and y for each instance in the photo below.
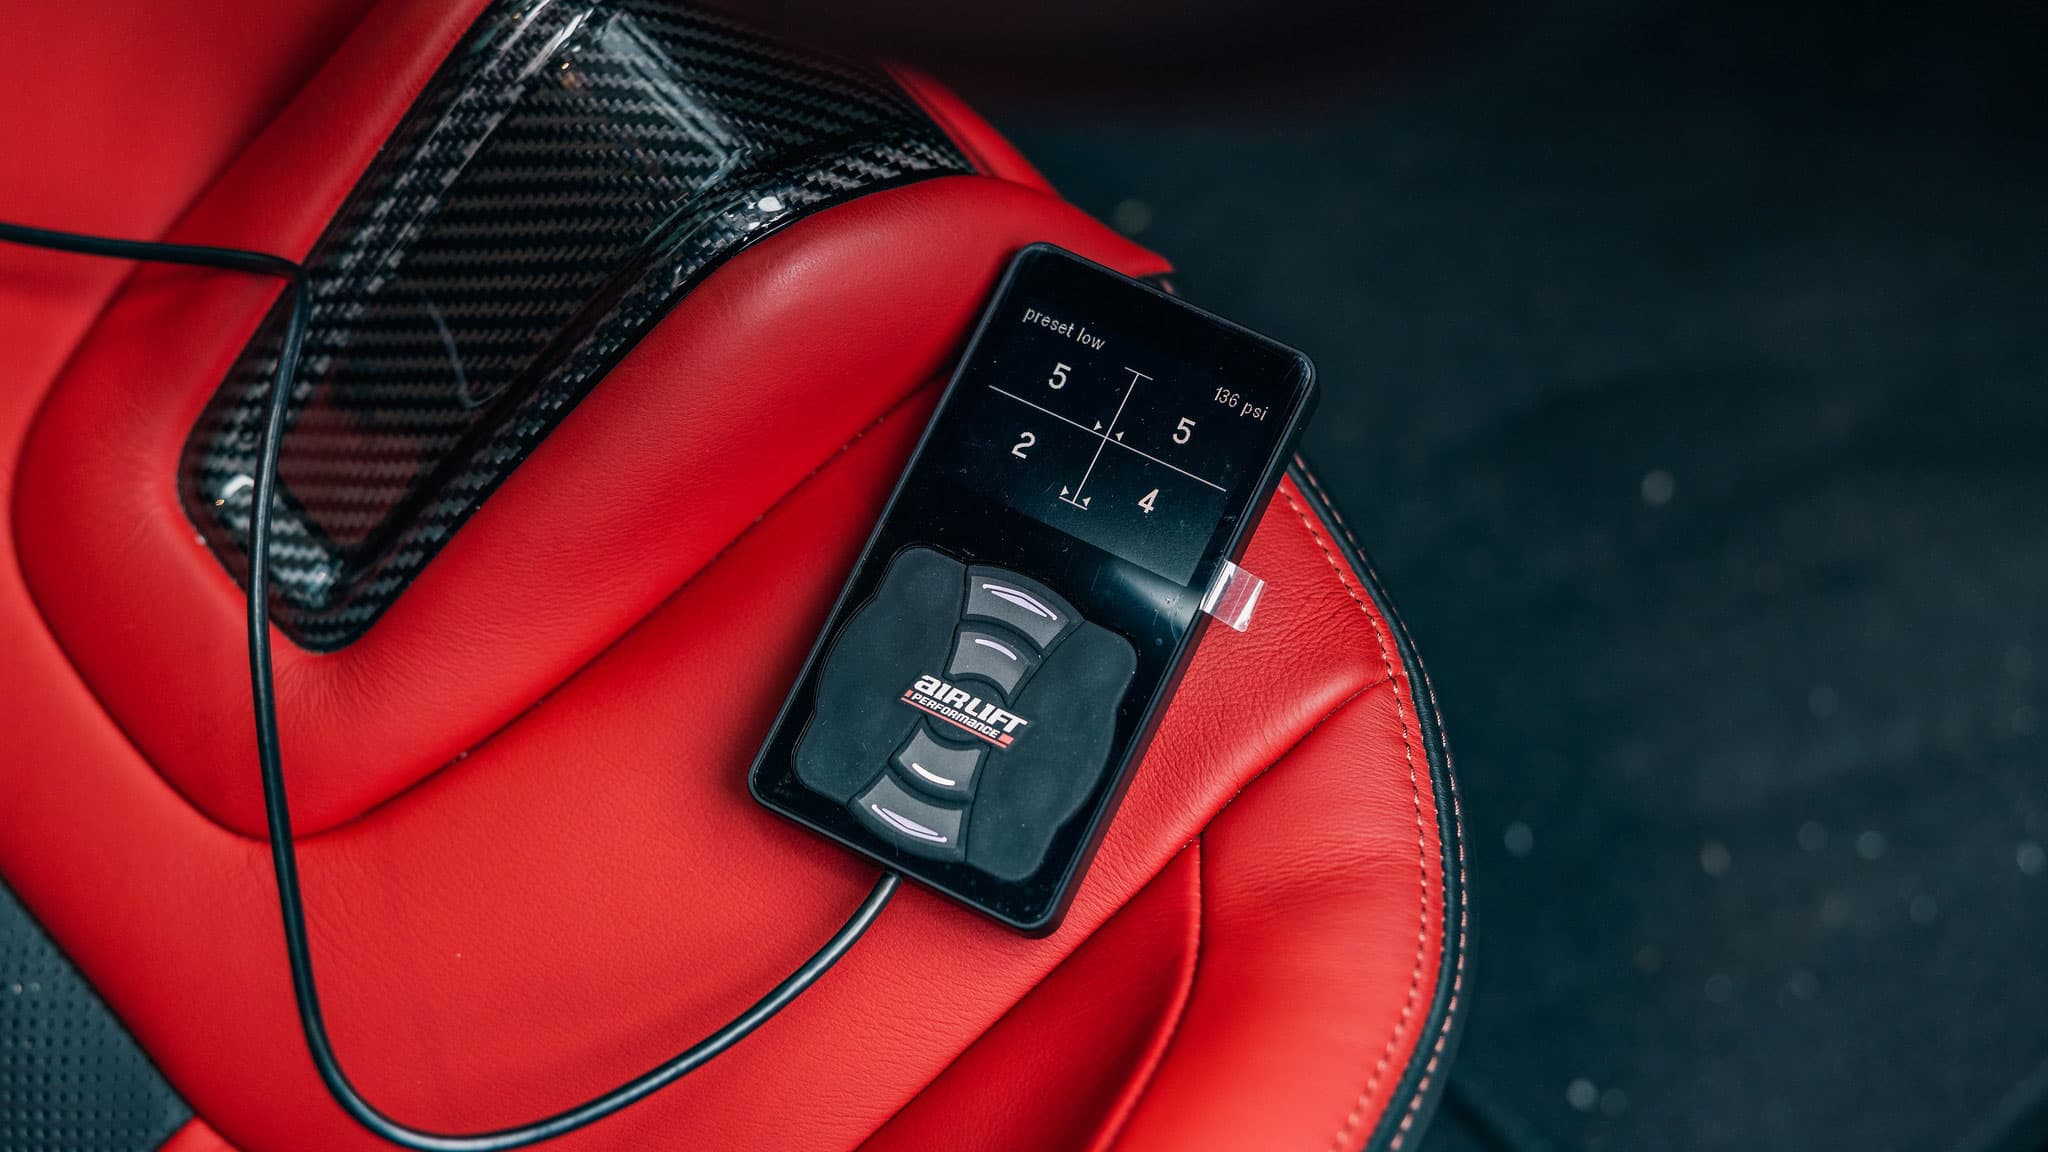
(627, 633)
(168, 495)
(1335, 710)
(33, 427)
(1437, 1050)
(1187, 1004)
(1358, 1108)
(313, 837)
(121, 285)
(1113, 1130)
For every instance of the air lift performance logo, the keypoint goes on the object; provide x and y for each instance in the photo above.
(963, 709)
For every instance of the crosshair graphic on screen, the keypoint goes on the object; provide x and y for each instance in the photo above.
(1106, 436)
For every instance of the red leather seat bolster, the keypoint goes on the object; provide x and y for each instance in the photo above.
(533, 869)
(984, 147)
(511, 934)
(1323, 944)
(1309, 991)
(1063, 1067)
(107, 131)
(663, 464)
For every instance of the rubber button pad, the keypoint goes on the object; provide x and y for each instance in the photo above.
(965, 713)
(938, 768)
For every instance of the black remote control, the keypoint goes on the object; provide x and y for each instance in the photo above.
(1008, 641)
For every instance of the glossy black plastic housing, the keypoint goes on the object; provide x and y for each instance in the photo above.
(947, 501)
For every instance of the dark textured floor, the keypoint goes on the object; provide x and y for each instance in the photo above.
(1687, 373)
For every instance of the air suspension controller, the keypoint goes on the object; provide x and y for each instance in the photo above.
(1062, 537)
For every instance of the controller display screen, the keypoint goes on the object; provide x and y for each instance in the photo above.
(1004, 648)
(1117, 415)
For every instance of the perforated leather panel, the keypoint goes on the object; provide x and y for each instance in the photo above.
(71, 1078)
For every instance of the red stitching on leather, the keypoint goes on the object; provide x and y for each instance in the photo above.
(1457, 823)
(1113, 1130)
(1336, 710)
(1358, 1107)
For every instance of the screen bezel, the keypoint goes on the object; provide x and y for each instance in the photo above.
(1158, 616)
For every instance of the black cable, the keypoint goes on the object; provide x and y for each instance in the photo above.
(277, 812)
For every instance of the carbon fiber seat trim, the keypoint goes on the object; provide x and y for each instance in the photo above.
(71, 1078)
(572, 170)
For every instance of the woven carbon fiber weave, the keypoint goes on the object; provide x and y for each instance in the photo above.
(571, 172)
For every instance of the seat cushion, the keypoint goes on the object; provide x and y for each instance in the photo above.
(531, 863)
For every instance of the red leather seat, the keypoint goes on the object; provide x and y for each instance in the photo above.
(532, 866)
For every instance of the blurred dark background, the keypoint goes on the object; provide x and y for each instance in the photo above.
(1687, 375)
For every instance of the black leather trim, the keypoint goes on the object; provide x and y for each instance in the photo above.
(1417, 1093)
